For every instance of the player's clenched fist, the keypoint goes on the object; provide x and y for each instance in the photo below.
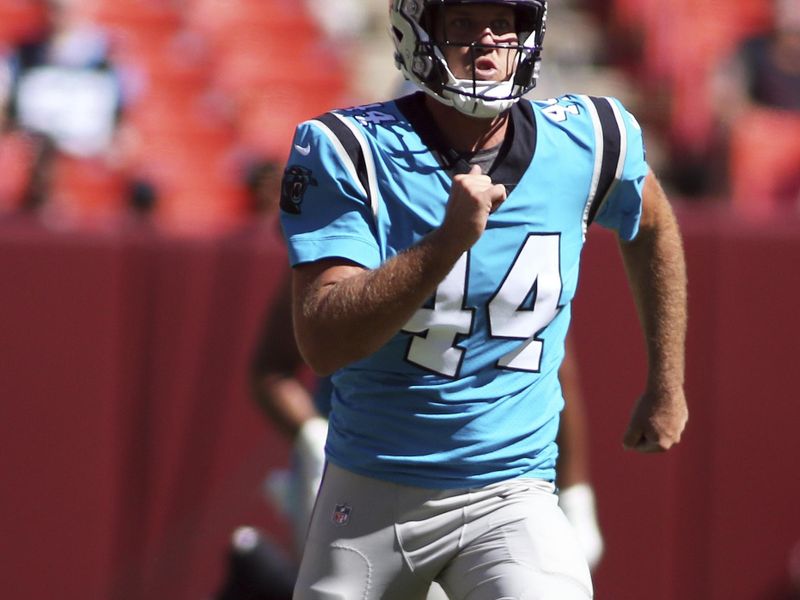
(472, 198)
(657, 422)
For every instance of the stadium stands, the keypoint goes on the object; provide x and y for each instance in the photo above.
(226, 82)
(765, 154)
(18, 19)
(209, 85)
(682, 45)
(84, 193)
(16, 157)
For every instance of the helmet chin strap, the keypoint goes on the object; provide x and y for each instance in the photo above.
(484, 106)
(492, 98)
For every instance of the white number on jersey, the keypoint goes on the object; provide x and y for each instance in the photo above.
(535, 274)
(559, 112)
(435, 349)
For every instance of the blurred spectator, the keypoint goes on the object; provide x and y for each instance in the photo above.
(757, 100)
(64, 87)
(64, 99)
(18, 149)
(17, 152)
(765, 70)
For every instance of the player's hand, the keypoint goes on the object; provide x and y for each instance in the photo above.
(472, 199)
(657, 421)
(578, 503)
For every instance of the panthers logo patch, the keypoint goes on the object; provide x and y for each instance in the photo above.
(295, 182)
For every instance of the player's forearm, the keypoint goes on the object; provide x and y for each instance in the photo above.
(572, 438)
(343, 321)
(656, 269)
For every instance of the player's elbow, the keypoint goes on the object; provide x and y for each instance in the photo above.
(326, 345)
(321, 356)
(320, 347)
(329, 349)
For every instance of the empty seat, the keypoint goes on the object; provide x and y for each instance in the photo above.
(16, 163)
(266, 119)
(217, 18)
(20, 19)
(85, 193)
(128, 14)
(242, 72)
(765, 161)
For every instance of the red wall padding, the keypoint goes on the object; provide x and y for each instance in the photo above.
(716, 518)
(130, 448)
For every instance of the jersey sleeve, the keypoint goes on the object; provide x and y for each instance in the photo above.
(325, 209)
(622, 208)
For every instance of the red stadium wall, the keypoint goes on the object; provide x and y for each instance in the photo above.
(130, 449)
(717, 518)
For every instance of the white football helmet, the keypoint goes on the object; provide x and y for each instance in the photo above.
(419, 57)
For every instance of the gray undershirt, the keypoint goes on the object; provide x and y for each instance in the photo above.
(485, 158)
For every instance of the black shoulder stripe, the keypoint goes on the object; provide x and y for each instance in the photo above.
(413, 108)
(351, 145)
(517, 151)
(612, 146)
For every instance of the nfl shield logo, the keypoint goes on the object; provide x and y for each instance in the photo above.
(341, 514)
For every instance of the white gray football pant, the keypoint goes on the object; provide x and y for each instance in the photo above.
(375, 540)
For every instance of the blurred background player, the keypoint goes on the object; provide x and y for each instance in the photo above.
(757, 103)
(573, 470)
(765, 69)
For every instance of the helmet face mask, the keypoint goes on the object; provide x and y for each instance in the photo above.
(420, 55)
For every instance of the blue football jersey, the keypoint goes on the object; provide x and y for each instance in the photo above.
(467, 393)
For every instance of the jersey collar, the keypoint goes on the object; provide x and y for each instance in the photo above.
(516, 151)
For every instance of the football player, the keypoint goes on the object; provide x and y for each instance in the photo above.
(299, 409)
(435, 241)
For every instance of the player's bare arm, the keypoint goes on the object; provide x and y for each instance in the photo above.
(656, 269)
(274, 368)
(572, 438)
(343, 312)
